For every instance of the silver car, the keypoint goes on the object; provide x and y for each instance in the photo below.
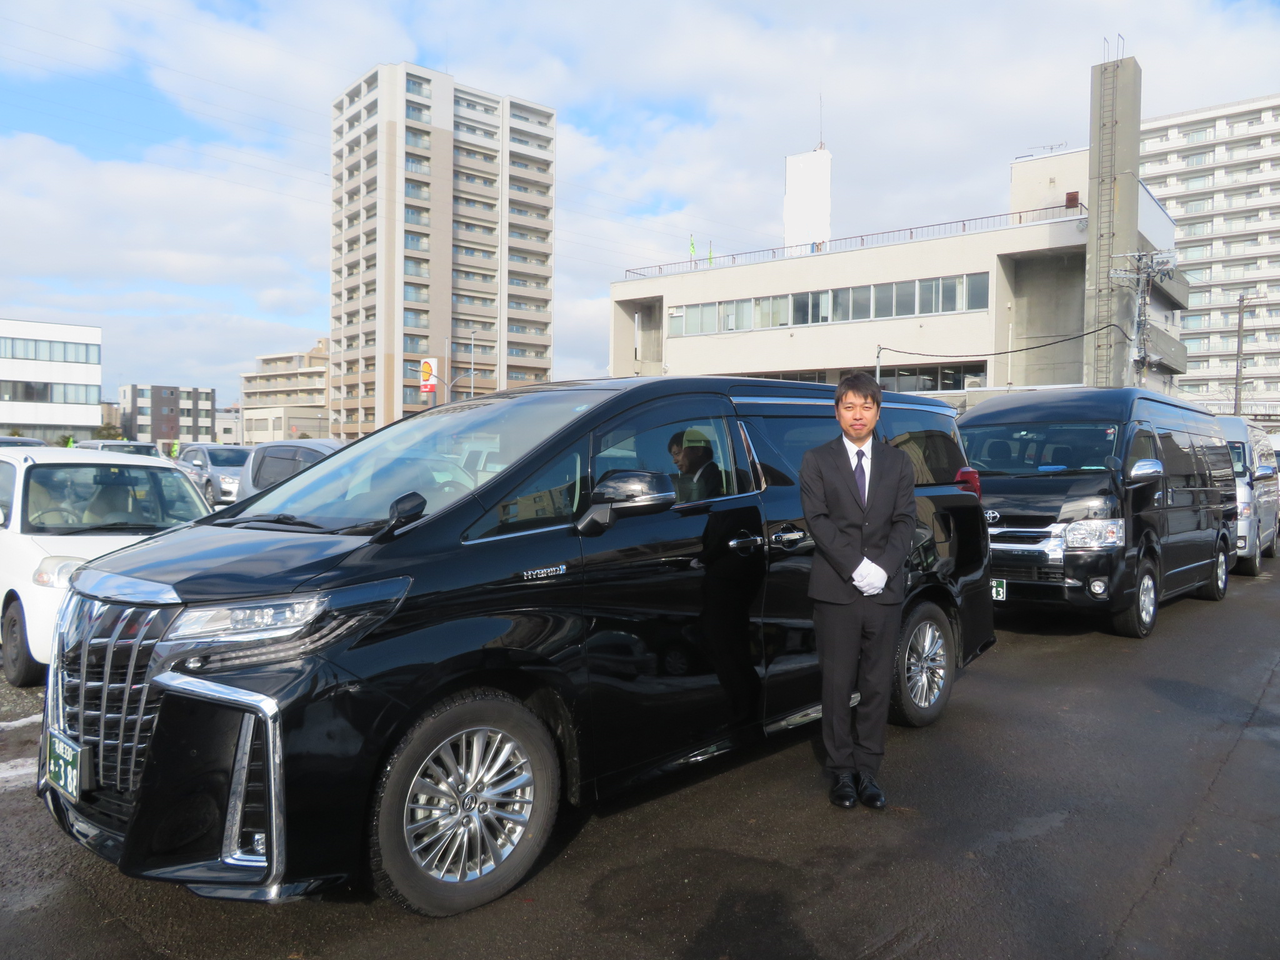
(270, 463)
(215, 469)
(1257, 493)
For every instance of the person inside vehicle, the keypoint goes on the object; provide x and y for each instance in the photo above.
(699, 476)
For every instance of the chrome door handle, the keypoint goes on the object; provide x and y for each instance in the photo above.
(743, 543)
(788, 538)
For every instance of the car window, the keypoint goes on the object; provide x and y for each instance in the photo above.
(227, 456)
(1215, 462)
(273, 466)
(930, 440)
(1178, 457)
(694, 453)
(8, 477)
(555, 495)
(309, 456)
(66, 498)
(1142, 446)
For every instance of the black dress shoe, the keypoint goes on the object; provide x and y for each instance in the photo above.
(868, 791)
(843, 792)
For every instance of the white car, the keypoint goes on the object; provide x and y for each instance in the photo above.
(58, 508)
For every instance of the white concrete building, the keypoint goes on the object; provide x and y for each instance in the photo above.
(443, 201)
(50, 379)
(228, 426)
(806, 205)
(1217, 171)
(286, 396)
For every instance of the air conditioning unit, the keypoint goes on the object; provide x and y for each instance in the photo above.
(973, 383)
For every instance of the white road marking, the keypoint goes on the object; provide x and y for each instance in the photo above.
(15, 774)
(24, 722)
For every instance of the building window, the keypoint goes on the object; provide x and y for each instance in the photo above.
(58, 351)
(28, 391)
(416, 345)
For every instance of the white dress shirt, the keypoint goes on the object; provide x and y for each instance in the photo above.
(869, 578)
(852, 449)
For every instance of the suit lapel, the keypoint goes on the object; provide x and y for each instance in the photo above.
(845, 469)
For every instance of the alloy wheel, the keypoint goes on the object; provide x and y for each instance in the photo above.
(926, 664)
(1147, 599)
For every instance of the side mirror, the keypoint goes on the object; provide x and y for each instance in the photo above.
(624, 493)
(1264, 472)
(197, 463)
(404, 510)
(1144, 470)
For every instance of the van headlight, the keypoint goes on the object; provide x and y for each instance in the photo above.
(1095, 533)
(1246, 510)
(224, 636)
(56, 571)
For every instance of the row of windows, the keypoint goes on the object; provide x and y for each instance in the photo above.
(27, 391)
(20, 348)
(878, 301)
(202, 395)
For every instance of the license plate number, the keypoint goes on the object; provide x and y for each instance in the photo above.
(63, 766)
(997, 590)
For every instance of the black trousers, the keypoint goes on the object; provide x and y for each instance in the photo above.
(856, 644)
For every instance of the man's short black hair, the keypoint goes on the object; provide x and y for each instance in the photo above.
(860, 384)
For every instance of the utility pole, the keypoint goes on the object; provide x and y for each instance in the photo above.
(1240, 302)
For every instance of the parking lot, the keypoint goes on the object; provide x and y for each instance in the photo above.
(1085, 796)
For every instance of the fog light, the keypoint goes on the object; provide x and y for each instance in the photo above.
(1098, 587)
(260, 844)
(1241, 543)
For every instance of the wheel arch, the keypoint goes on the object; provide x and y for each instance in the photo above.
(941, 597)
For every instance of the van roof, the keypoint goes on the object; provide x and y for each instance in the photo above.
(1071, 403)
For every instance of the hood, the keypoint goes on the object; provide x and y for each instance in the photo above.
(1040, 500)
(217, 563)
(86, 546)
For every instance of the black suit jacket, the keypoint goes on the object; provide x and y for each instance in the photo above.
(845, 533)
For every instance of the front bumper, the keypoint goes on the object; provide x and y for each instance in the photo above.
(228, 490)
(1044, 571)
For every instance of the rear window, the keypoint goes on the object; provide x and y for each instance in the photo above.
(275, 465)
(929, 439)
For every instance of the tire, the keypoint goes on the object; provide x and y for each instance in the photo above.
(1271, 548)
(209, 498)
(1251, 566)
(21, 669)
(924, 667)
(459, 870)
(1216, 588)
(1140, 619)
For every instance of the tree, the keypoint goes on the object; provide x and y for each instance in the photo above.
(66, 440)
(108, 431)
(304, 436)
(15, 432)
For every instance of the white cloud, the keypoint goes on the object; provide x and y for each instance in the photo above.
(674, 119)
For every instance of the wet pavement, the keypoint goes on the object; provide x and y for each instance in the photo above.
(1084, 796)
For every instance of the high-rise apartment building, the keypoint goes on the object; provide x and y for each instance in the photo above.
(286, 397)
(443, 202)
(1217, 171)
(158, 413)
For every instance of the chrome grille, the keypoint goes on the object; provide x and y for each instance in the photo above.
(1028, 574)
(104, 700)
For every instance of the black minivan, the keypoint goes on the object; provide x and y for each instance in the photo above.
(1103, 500)
(398, 662)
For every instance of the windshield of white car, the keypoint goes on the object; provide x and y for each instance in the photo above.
(75, 497)
(443, 454)
(1024, 449)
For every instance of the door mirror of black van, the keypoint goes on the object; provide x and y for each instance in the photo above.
(1146, 470)
(624, 493)
(403, 511)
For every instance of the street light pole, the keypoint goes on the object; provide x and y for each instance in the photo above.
(1240, 302)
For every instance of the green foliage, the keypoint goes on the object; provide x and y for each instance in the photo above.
(15, 432)
(108, 431)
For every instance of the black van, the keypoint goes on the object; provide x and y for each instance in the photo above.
(1103, 500)
(399, 660)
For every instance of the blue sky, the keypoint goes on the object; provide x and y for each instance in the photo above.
(163, 163)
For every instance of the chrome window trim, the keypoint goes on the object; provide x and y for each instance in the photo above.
(268, 711)
(518, 533)
(757, 471)
(114, 587)
(817, 401)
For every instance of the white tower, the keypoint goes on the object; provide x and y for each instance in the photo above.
(806, 208)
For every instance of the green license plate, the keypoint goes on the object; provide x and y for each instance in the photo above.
(64, 765)
(997, 590)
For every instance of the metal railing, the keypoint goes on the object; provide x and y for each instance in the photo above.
(931, 231)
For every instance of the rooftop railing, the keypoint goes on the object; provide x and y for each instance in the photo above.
(931, 231)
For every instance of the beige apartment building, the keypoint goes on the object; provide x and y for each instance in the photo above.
(1217, 170)
(286, 396)
(443, 202)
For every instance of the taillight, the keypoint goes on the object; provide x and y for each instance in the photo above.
(967, 479)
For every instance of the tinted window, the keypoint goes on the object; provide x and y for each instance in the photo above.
(1141, 447)
(309, 456)
(553, 496)
(274, 465)
(1022, 448)
(792, 436)
(228, 457)
(8, 477)
(929, 439)
(694, 453)
(1178, 458)
(1216, 462)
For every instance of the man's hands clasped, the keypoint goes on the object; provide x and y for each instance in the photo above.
(869, 578)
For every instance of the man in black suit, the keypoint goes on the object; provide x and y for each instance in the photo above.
(859, 503)
(699, 475)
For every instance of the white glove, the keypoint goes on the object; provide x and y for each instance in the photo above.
(869, 578)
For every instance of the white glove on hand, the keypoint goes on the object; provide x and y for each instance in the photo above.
(869, 578)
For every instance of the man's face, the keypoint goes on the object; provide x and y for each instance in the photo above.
(688, 459)
(857, 417)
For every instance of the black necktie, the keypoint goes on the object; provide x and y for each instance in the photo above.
(860, 480)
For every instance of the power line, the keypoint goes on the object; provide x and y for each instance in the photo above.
(1004, 353)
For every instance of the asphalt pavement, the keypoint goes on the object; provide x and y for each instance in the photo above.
(1085, 796)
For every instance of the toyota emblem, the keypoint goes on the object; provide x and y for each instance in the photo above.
(991, 516)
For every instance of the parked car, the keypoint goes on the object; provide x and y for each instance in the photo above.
(134, 447)
(1105, 501)
(214, 468)
(58, 508)
(384, 665)
(21, 442)
(1257, 493)
(270, 463)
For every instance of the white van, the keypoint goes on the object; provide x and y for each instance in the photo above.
(58, 508)
(1257, 493)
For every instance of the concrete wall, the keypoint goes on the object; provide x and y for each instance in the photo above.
(806, 206)
(1038, 182)
(1048, 295)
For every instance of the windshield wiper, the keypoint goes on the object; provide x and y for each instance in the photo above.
(287, 519)
(113, 525)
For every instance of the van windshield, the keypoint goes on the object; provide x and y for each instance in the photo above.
(1040, 448)
(442, 454)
